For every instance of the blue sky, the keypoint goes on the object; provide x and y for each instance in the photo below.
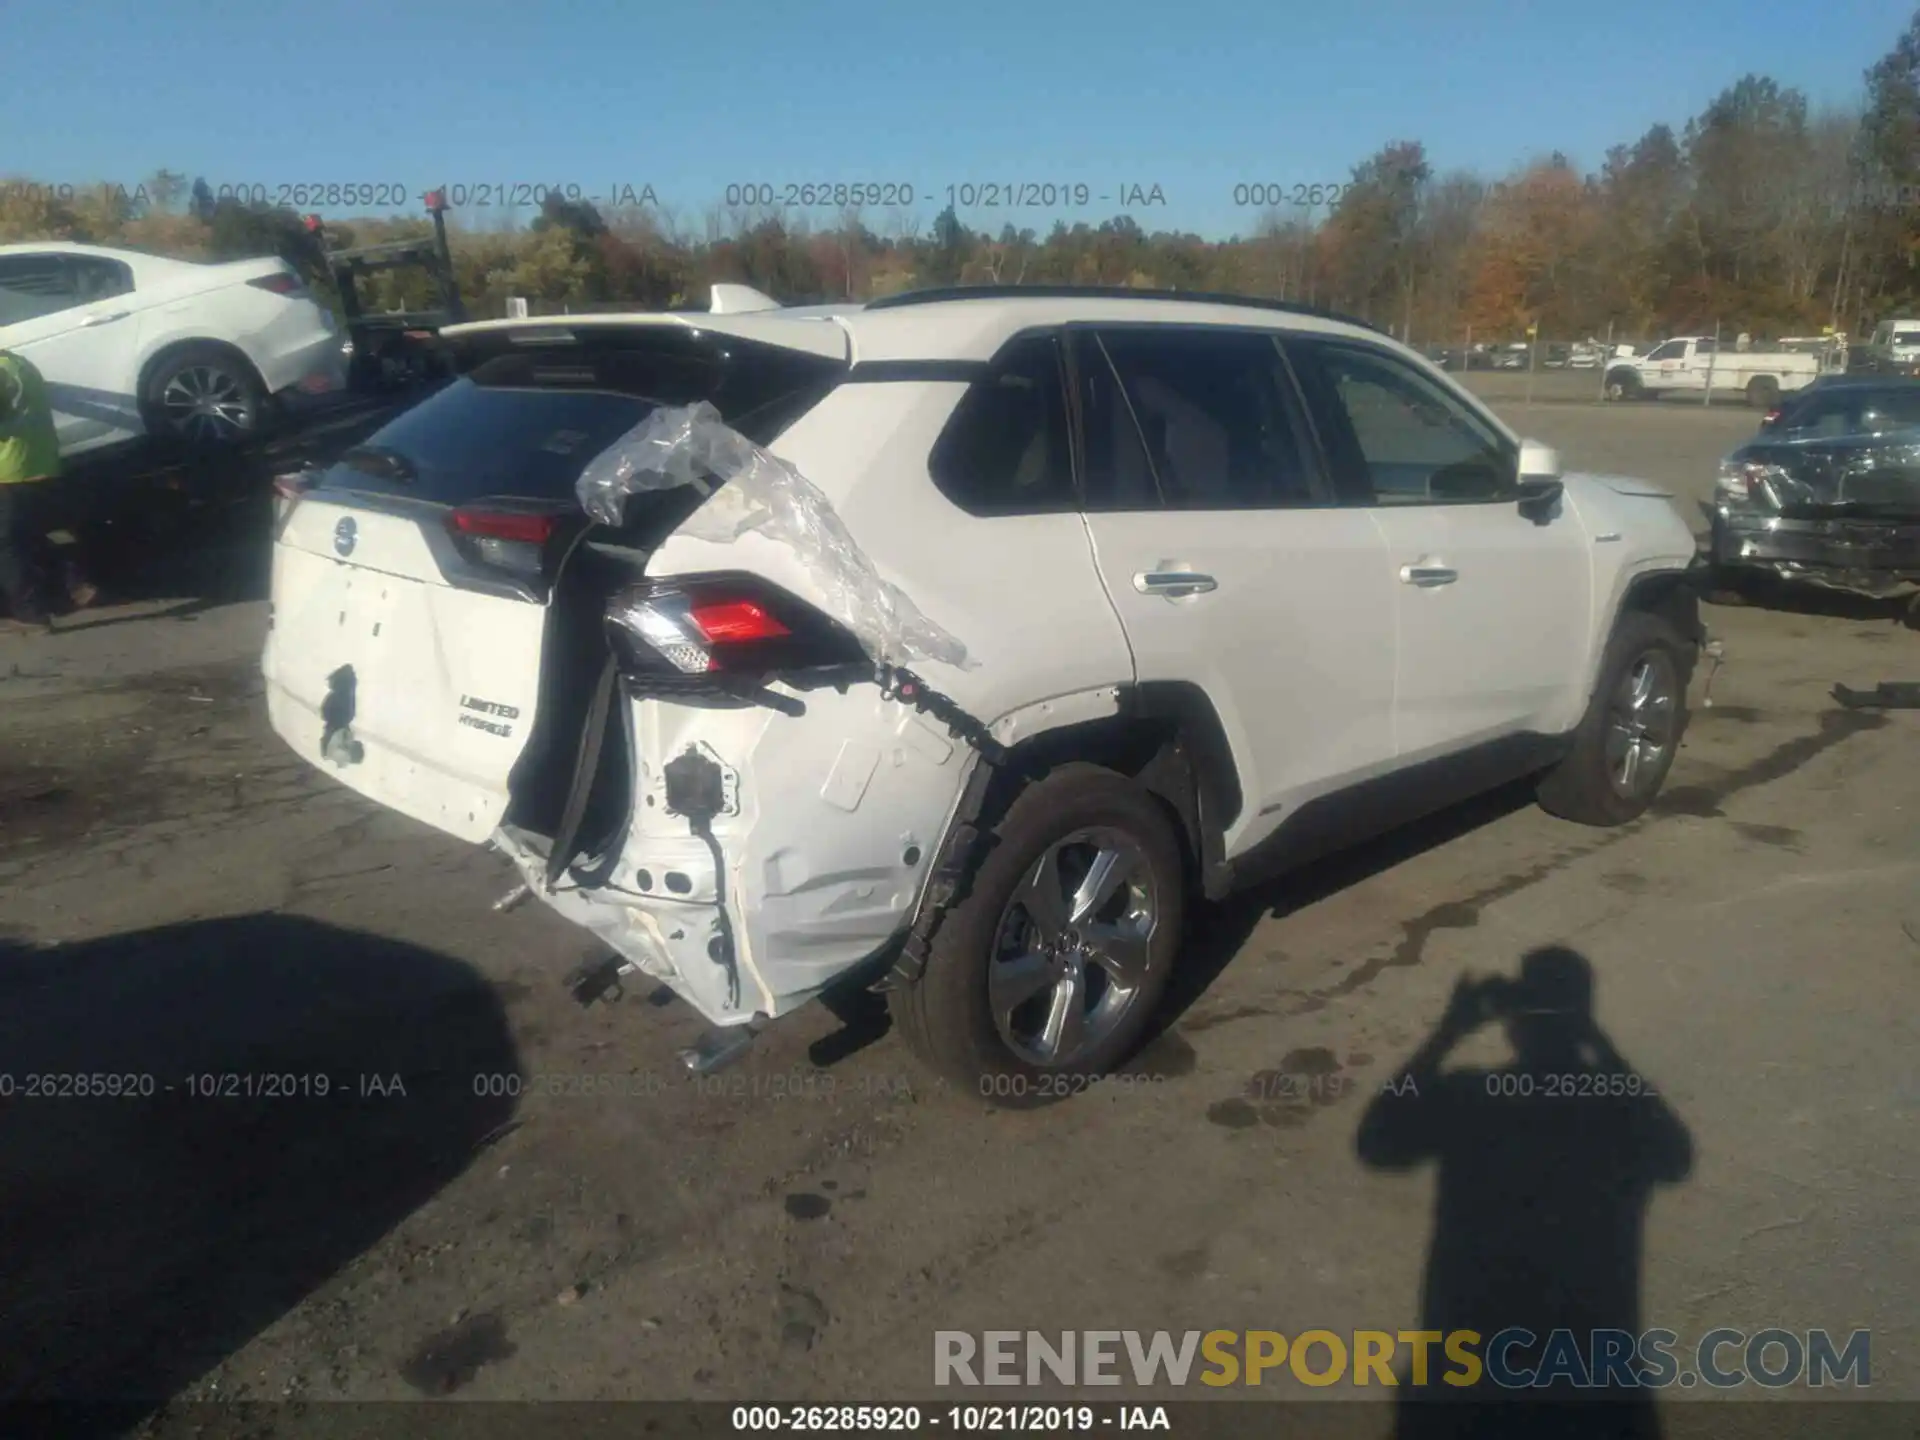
(1194, 96)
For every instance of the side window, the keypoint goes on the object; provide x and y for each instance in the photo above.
(34, 285)
(1832, 416)
(1669, 351)
(95, 278)
(1005, 449)
(1891, 410)
(1202, 419)
(1397, 437)
(1708, 346)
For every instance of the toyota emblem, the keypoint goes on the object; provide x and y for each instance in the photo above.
(344, 536)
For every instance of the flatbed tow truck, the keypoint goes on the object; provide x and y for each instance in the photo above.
(396, 349)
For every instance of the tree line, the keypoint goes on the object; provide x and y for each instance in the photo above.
(1758, 213)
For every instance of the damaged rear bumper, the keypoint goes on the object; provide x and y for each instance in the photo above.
(1865, 556)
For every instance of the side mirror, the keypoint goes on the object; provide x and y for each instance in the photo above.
(1539, 486)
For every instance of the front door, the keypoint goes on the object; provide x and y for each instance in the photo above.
(1492, 605)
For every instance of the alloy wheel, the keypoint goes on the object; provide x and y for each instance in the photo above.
(1073, 947)
(206, 403)
(1640, 724)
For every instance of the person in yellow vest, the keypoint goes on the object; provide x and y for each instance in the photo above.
(29, 468)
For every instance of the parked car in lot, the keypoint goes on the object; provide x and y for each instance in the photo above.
(1281, 583)
(1695, 363)
(135, 345)
(1828, 492)
(1893, 349)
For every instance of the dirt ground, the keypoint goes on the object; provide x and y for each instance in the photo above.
(180, 899)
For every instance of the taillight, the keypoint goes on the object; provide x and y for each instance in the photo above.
(515, 541)
(1770, 417)
(725, 626)
(535, 528)
(281, 283)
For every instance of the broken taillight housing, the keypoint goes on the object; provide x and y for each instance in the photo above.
(1746, 482)
(725, 626)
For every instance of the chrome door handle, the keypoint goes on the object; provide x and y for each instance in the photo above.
(106, 319)
(1427, 576)
(1173, 583)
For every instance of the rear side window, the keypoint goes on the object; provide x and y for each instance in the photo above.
(523, 423)
(97, 278)
(1213, 410)
(1005, 450)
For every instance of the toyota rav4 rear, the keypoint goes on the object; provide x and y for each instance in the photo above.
(948, 646)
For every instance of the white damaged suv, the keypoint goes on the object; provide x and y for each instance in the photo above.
(952, 643)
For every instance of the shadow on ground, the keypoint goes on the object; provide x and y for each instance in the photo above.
(1216, 933)
(296, 1090)
(1546, 1166)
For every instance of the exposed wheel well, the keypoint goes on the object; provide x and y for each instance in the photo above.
(1673, 595)
(1167, 736)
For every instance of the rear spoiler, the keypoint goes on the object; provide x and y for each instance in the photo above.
(738, 300)
(767, 322)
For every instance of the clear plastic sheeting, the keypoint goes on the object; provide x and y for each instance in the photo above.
(749, 490)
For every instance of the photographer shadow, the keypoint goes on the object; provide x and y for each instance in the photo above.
(1546, 1168)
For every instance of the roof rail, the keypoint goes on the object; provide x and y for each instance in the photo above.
(1106, 292)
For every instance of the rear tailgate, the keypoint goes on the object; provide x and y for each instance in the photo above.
(411, 582)
(424, 688)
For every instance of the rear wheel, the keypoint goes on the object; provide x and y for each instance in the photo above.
(1763, 392)
(204, 396)
(1627, 740)
(1623, 385)
(1046, 974)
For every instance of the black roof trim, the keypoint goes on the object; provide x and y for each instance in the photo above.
(1107, 292)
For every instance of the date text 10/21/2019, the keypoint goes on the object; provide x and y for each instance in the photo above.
(203, 1085)
(954, 1419)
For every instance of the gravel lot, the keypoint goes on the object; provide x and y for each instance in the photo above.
(179, 897)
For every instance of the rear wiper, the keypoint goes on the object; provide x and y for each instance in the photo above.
(381, 461)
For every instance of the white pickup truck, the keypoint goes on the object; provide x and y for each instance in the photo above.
(1693, 363)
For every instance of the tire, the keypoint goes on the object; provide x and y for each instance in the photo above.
(985, 941)
(204, 397)
(1585, 786)
(1763, 392)
(1623, 385)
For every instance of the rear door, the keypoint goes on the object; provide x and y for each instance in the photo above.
(1228, 562)
(411, 582)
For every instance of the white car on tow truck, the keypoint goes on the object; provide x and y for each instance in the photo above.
(1695, 364)
(134, 345)
(953, 644)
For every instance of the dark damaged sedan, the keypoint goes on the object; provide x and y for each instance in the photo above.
(1828, 492)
